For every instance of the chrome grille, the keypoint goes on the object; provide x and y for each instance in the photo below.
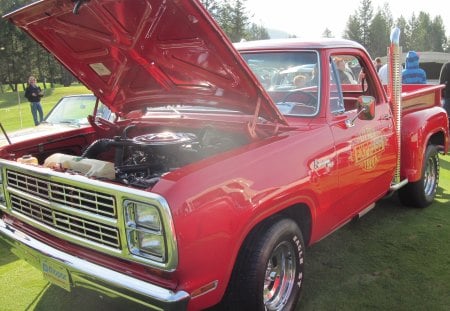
(71, 198)
(91, 201)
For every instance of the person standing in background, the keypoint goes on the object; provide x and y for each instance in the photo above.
(34, 93)
(384, 74)
(413, 74)
(444, 78)
(378, 63)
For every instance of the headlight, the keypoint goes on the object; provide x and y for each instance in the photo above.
(147, 216)
(150, 243)
(145, 230)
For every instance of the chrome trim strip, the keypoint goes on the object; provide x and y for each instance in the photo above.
(89, 275)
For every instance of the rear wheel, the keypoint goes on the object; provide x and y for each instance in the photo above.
(269, 271)
(422, 192)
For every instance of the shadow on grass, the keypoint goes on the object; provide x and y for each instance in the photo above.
(55, 298)
(6, 256)
(391, 259)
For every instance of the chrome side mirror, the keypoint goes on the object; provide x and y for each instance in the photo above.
(365, 110)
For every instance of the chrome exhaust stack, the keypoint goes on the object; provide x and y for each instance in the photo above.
(394, 93)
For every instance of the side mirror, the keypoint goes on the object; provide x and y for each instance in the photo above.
(366, 107)
(366, 110)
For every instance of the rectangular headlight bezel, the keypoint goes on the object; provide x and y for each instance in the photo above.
(144, 221)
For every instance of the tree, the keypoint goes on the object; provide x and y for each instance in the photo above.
(438, 38)
(365, 14)
(379, 36)
(379, 31)
(239, 21)
(353, 30)
(405, 30)
(327, 33)
(257, 32)
(212, 6)
(21, 56)
(233, 18)
(421, 32)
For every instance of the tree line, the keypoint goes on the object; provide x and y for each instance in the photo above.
(21, 56)
(420, 32)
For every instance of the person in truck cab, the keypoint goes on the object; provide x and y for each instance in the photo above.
(344, 75)
(413, 74)
(299, 81)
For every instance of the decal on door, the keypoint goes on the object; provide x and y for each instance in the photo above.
(367, 148)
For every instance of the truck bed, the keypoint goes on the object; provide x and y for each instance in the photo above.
(420, 96)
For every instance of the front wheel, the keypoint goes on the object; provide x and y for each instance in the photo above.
(269, 271)
(422, 192)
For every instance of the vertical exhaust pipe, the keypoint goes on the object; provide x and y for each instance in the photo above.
(395, 90)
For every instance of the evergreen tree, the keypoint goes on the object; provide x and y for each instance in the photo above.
(438, 38)
(421, 32)
(327, 33)
(212, 6)
(257, 32)
(379, 35)
(353, 30)
(239, 21)
(405, 33)
(365, 14)
(233, 18)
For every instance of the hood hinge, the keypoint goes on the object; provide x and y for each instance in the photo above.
(251, 126)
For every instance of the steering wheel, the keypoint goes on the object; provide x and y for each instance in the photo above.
(312, 99)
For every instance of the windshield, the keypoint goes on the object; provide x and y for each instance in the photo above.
(290, 78)
(75, 109)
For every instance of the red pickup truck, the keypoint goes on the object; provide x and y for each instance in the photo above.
(224, 161)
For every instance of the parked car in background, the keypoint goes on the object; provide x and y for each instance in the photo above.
(69, 112)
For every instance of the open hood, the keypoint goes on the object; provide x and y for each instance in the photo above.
(145, 53)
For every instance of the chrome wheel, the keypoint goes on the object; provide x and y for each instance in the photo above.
(280, 277)
(421, 193)
(431, 175)
(268, 275)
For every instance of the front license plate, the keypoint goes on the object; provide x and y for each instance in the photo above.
(56, 274)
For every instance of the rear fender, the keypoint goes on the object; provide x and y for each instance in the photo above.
(421, 128)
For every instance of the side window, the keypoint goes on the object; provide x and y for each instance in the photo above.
(335, 96)
(346, 83)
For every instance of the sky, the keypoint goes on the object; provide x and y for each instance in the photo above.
(310, 18)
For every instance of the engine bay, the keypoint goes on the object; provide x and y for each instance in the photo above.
(138, 158)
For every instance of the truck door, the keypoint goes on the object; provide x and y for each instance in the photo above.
(365, 150)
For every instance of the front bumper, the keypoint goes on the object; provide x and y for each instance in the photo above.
(92, 276)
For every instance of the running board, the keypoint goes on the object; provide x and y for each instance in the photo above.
(395, 187)
(366, 210)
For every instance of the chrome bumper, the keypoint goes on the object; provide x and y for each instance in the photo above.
(92, 276)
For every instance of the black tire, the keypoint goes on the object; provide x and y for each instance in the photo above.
(268, 274)
(422, 192)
